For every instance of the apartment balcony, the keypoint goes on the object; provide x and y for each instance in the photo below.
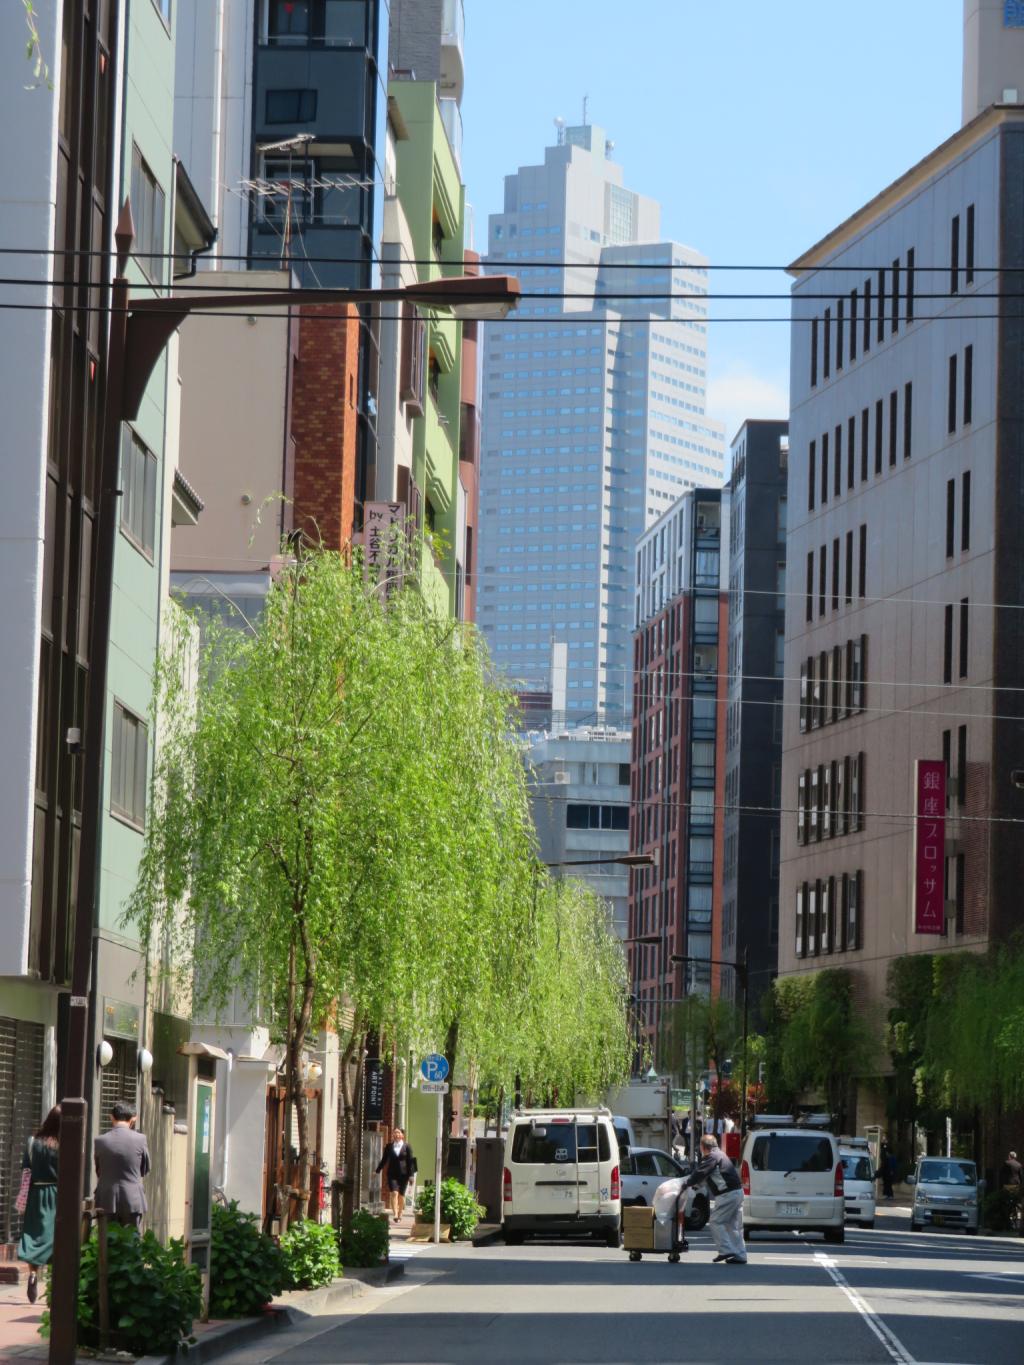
(451, 117)
(453, 65)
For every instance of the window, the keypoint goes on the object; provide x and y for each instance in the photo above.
(623, 774)
(853, 909)
(822, 578)
(853, 325)
(824, 468)
(866, 339)
(950, 517)
(814, 825)
(910, 285)
(148, 216)
(803, 696)
(849, 567)
(544, 1145)
(826, 800)
(130, 744)
(835, 574)
(895, 296)
(951, 396)
(164, 6)
(851, 452)
(828, 912)
(965, 512)
(801, 920)
(814, 352)
(908, 419)
(840, 814)
(809, 609)
(968, 384)
(827, 359)
(813, 899)
(291, 106)
(289, 20)
(413, 360)
(812, 474)
(790, 1153)
(837, 463)
(801, 809)
(335, 23)
(840, 332)
(862, 575)
(947, 644)
(580, 816)
(969, 246)
(954, 256)
(857, 672)
(879, 420)
(894, 423)
(781, 509)
(964, 648)
(856, 793)
(138, 486)
(880, 333)
(822, 692)
(864, 445)
(812, 695)
(961, 764)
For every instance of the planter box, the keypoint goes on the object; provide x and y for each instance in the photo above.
(424, 1232)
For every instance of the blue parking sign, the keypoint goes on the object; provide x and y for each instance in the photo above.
(434, 1067)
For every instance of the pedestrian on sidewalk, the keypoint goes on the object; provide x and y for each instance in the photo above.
(1011, 1175)
(886, 1163)
(39, 1162)
(122, 1159)
(725, 1224)
(400, 1164)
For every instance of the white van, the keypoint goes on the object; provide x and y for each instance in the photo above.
(792, 1177)
(561, 1175)
(858, 1181)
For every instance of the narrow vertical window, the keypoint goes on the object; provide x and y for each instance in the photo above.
(950, 517)
(954, 256)
(812, 474)
(969, 246)
(824, 468)
(862, 570)
(822, 578)
(851, 452)
(968, 385)
(864, 437)
(810, 586)
(879, 425)
(814, 822)
(822, 688)
(801, 920)
(842, 911)
(814, 352)
(880, 320)
(835, 574)
(947, 644)
(826, 801)
(842, 810)
(803, 697)
(853, 325)
(910, 285)
(958, 891)
(837, 463)
(965, 512)
(893, 426)
(840, 332)
(838, 690)
(961, 763)
(947, 762)
(908, 419)
(895, 296)
(951, 396)
(866, 339)
(965, 612)
(849, 567)
(801, 809)
(826, 363)
(812, 693)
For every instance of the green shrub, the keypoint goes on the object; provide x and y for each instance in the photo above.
(310, 1252)
(458, 1207)
(365, 1241)
(153, 1294)
(998, 1209)
(246, 1268)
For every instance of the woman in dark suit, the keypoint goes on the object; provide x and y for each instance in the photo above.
(400, 1165)
(40, 1159)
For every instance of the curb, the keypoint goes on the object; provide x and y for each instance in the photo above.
(285, 1311)
(486, 1234)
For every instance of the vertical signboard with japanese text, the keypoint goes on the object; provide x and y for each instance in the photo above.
(929, 846)
(383, 548)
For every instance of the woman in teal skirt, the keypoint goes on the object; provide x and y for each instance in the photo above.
(36, 1245)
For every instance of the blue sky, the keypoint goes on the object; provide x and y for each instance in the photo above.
(758, 126)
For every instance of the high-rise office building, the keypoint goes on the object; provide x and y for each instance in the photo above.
(594, 418)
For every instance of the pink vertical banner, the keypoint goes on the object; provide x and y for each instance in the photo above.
(929, 846)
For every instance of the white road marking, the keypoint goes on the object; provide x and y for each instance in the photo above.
(1000, 1276)
(888, 1338)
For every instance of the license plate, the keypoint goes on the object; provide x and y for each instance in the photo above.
(793, 1210)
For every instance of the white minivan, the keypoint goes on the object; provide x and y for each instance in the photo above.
(945, 1194)
(792, 1177)
(858, 1181)
(561, 1176)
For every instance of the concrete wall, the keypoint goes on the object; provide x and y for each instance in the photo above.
(993, 67)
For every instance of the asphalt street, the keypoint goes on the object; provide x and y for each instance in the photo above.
(887, 1295)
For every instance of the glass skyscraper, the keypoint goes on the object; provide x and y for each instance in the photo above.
(594, 418)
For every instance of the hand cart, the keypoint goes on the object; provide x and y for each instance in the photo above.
(641, 1232)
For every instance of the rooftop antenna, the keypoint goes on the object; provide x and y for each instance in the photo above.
(586, 101)
(560, 126)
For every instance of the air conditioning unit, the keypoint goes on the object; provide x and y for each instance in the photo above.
(561, 777)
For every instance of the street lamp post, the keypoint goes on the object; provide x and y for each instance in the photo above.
(139, 331)
(743, 976)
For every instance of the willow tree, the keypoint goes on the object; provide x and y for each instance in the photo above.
(311, 816)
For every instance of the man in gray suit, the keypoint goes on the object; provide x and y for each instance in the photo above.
(122, 1159)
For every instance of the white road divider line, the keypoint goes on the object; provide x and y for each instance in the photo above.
(889, 1339)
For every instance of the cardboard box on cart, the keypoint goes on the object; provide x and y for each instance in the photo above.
(638, 1228)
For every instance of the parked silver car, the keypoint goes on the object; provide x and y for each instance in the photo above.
(645, 1168)
(945, 1194)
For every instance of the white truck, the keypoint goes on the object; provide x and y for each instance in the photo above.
(648, 1106)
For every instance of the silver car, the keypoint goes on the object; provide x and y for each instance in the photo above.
(945, 1194)
(645, 1168)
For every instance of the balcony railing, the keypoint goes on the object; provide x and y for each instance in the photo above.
(452, 120)
(453, 22)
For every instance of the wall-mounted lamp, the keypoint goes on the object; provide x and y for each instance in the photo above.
(314, 1071)
(104, 1053)
(145, 1060)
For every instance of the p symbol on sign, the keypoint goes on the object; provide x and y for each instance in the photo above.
(434, 1067)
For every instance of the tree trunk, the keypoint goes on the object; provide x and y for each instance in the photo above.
(351, 1085)
(299, 1178)
(451, 1044)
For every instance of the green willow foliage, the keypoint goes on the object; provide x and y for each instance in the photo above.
(338, 786)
